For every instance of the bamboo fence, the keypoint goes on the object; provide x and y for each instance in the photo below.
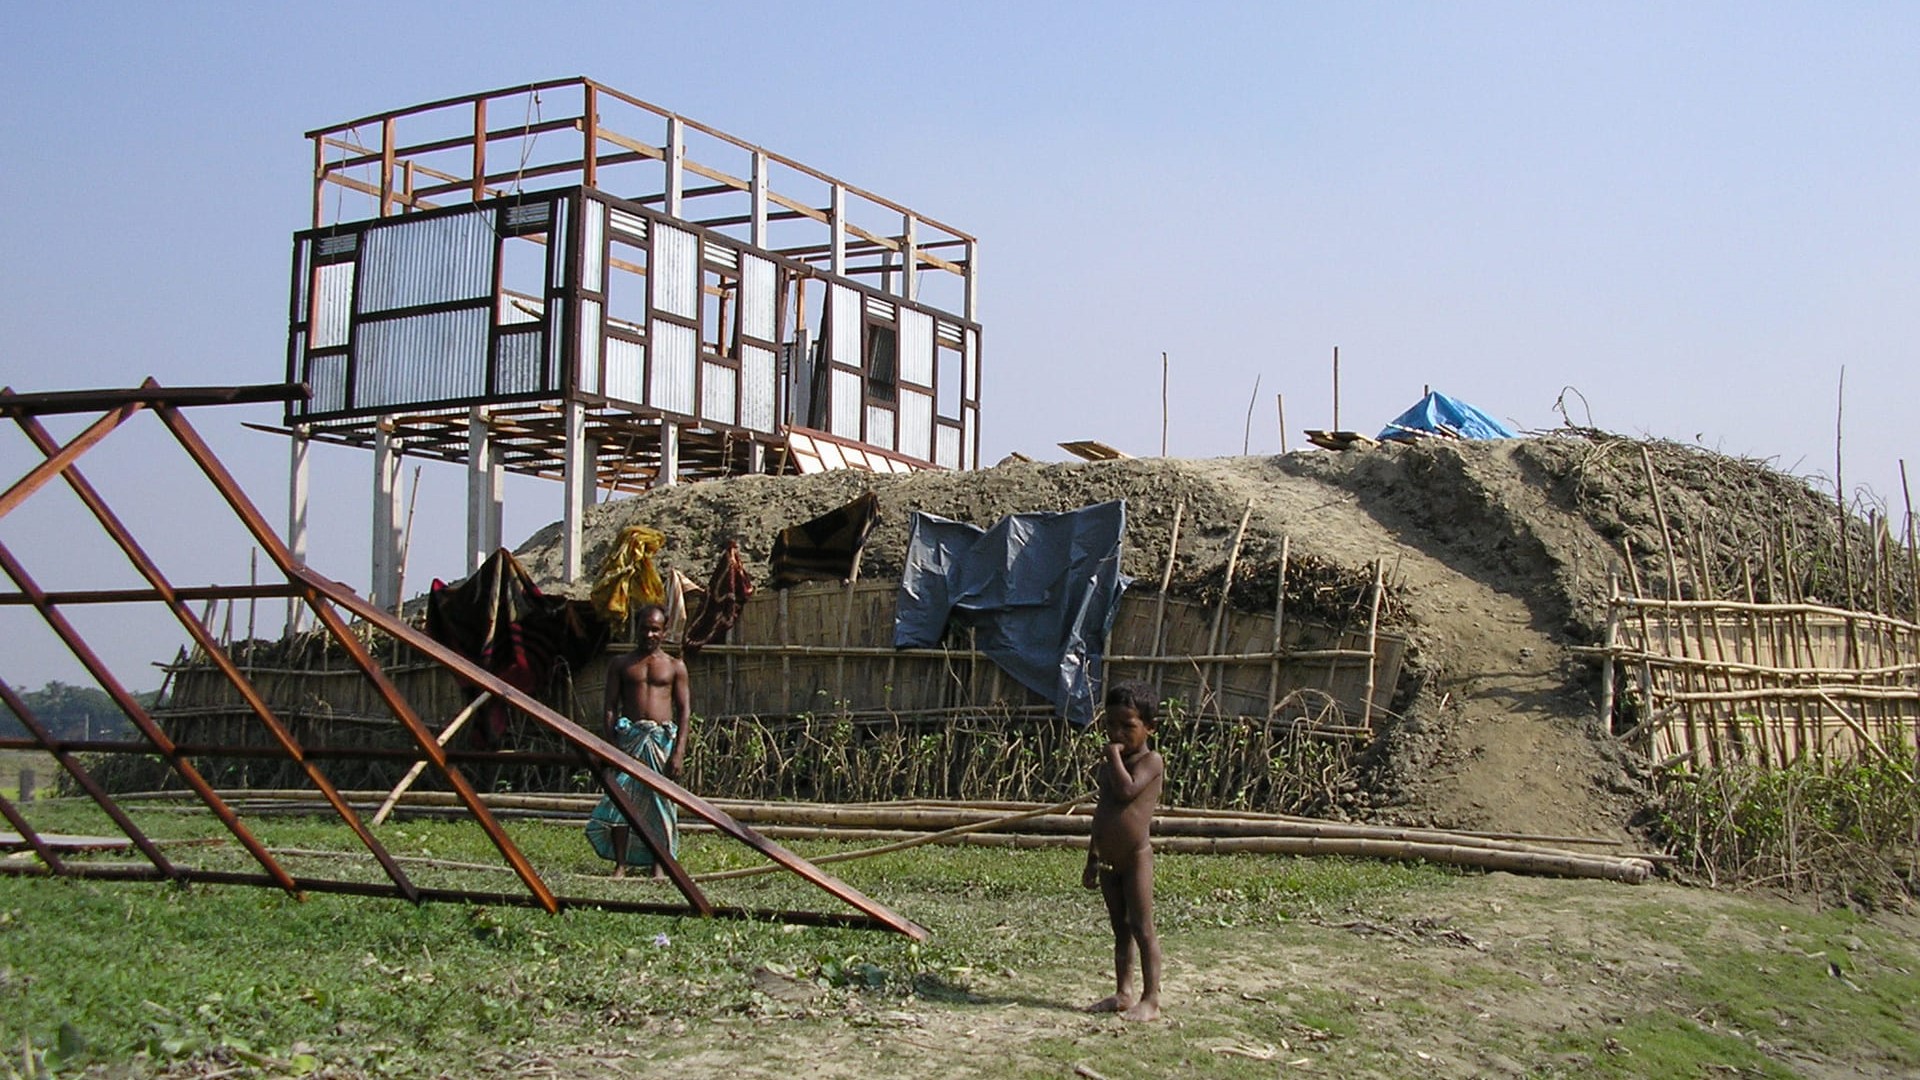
(809, 700)
(1708, 675)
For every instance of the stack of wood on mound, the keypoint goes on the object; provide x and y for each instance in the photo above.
(897, 826)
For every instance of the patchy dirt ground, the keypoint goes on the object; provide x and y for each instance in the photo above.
(1498, 556)
(1495, 975)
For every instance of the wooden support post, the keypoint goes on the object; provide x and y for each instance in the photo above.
(676, 160)
(837, 225)
(757, 193)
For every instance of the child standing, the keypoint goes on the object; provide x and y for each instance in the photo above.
(1120, 856)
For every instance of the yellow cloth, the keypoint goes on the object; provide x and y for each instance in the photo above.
(628, 577)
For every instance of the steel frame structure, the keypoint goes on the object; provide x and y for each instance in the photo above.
(332, 605)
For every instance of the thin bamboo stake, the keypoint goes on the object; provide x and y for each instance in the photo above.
(1280, 402)
(1226, 589)
(1279, 623)
(1866, 737)
(1840, 487)
(1373, 635)
(1166, 580)
(446, 735)
(846, 632)
(1246, 435)
(1913, 551)
(1163, 404)
(1610, 642)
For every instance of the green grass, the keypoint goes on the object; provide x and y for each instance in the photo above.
(1270, 954)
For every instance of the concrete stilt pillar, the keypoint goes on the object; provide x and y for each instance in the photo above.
(669, 473)
(579, 489)
(384, 590)
(297, 520)
(485, 491)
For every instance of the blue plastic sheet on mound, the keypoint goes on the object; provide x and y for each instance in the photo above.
(1439, 414)
(1039, 589)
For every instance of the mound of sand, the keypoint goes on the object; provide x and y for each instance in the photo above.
(1498, 556)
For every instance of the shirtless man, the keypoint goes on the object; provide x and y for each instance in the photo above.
(1119, 855)
(647, 708)
(647, 684)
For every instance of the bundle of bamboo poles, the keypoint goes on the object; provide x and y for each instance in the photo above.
(1034, 825)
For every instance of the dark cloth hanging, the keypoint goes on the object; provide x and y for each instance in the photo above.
(728, 591)
(1040, 591)
(825, 548)
(499, 619)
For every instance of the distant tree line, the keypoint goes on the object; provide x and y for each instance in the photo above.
(73, 712)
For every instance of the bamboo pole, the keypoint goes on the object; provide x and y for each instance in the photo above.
(932, 838)
(1166, 581)
(1373, 659)
(446, 735)
(1279, 623)
(1610, 642)
(1866, 737)
(1226, 589)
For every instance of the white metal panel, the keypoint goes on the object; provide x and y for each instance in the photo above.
(587, 379)
(626, 370)
(328, 377)
(674, 271)
(830, 455)
(427, 260)
(758, 383)
(970, 361)
(916, 424)
(516, 362)
(880, 427)
(420, 358)
(593, 256)
(722, 257)
(670, 382)
(967, 423)
(879, 308)
(845, 418)
(333, 305)
(556, 340)
(631, 226)
(916, 346)
(946, 450)
(758, 296)
(719, 393)
(845, 347)
(557, 243)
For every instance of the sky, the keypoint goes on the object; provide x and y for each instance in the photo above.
(1683, 220)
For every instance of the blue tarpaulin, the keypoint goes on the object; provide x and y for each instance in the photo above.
(1438, 414)
(1040, 591)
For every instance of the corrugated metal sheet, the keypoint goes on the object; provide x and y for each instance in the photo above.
(332, 305)
(587, 379)
(758, 297)
(516, 362)
(970, 382)
(719, 393)
(722, 257)
(916, 347)
(670, 382)
(420, 358)
(845, 316)
(593, 253)
(626, 370)
(758, 383)
(946, 450)
(845, 418)
(631, 226)
(916, 424)
(556, 341)
(557, 244)
(967, 422)
(674, 271)
(328, 377)
(879, 427)
(878, 308)
(428, 260)
(301, 252)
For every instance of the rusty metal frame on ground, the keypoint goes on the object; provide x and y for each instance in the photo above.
(328, 600)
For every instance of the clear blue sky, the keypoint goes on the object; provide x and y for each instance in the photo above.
(1693, 214)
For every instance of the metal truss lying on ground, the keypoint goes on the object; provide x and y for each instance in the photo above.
(333, 605)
